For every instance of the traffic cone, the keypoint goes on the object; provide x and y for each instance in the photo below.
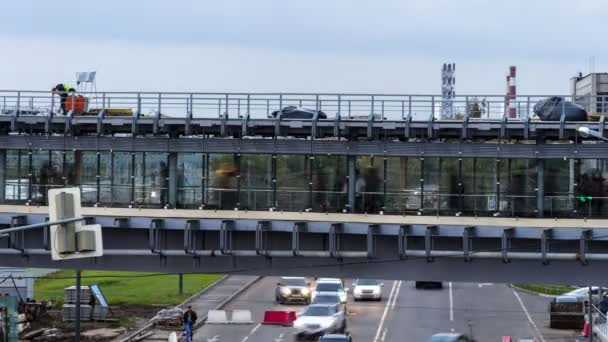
(586, 329)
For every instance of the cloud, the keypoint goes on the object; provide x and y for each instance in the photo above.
(381, 46)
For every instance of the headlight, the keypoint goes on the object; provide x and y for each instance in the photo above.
(285, 291)
(357, 290)
(343, 297)
(305, 291)
(376, 290)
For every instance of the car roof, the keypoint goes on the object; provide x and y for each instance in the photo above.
(328, 280)
(325, 305)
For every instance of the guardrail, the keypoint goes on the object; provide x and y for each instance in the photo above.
(261, 105)
(600, 324)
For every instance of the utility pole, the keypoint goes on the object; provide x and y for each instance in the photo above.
(181, 284)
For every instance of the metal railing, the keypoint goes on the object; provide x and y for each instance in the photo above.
(600, 325)
(261, 105)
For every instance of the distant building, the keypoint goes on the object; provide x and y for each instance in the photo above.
(591, 91)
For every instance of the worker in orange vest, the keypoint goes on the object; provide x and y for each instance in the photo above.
(63, 90)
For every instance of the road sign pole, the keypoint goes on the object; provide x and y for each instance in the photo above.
(181, 284)
(77, 327)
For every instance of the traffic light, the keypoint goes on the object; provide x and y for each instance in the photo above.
(584, 199)
(71, 240)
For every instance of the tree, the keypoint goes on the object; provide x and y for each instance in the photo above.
(474, 108)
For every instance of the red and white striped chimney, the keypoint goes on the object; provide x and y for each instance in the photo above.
(511, 92)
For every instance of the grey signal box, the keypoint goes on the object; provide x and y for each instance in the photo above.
(66, 233)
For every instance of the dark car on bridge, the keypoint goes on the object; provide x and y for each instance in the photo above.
(293, 112)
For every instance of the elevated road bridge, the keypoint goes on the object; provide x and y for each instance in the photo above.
(350, 245)
(369, 185)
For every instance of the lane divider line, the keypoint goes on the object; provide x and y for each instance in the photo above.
(451, 303)
(252, 332)
(388, 302)
(540, 335)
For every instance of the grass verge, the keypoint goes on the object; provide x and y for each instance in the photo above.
(121, 288)
(554, 290)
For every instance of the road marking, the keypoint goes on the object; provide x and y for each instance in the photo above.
(280, 339)
(252, 331)
(215, 338)
(388, 304)
(528, 315)
(383, 335)
(451, 303)
(484, 284)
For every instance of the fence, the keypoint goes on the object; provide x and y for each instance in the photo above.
(262, 105)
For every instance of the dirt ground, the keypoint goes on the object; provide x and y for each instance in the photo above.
(130, 317)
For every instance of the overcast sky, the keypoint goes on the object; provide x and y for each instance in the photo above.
(381, 46)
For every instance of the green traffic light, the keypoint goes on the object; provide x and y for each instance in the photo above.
(584, 199)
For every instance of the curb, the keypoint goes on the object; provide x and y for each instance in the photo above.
(226, 302)
(531, 292)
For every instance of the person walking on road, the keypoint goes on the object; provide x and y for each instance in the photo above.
(189, 322)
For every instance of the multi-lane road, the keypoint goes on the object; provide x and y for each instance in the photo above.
(489, 311)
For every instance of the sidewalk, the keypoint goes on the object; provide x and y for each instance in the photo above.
(214, 297)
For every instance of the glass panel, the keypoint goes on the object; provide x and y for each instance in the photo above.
(329, 184)
(518, 187)
(559, 186)
(256, 181)
(591, 188)
(430, 184)
(222, 192)
(17, 175)
(86, 164)
(189, 180)
(121, 178)
(450, 200)
(402, 185)
(151, 179)
(369, 185)
(42, 175)
(292, 183)
(479, 186)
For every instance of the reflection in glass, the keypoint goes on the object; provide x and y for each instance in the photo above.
(558, 187)
(402, 185)
(430, 185)
(151, 179)
(591, 188)
(189, 180)
(17, 185)
(292, 182)
(121, 178)
(369, 185)
(256, 182)
(86, 164)
(518, 187)
(329, 193)
(479, 186)
(223, 181)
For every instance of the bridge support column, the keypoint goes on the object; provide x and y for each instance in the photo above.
(172, 179)
(351, 165)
